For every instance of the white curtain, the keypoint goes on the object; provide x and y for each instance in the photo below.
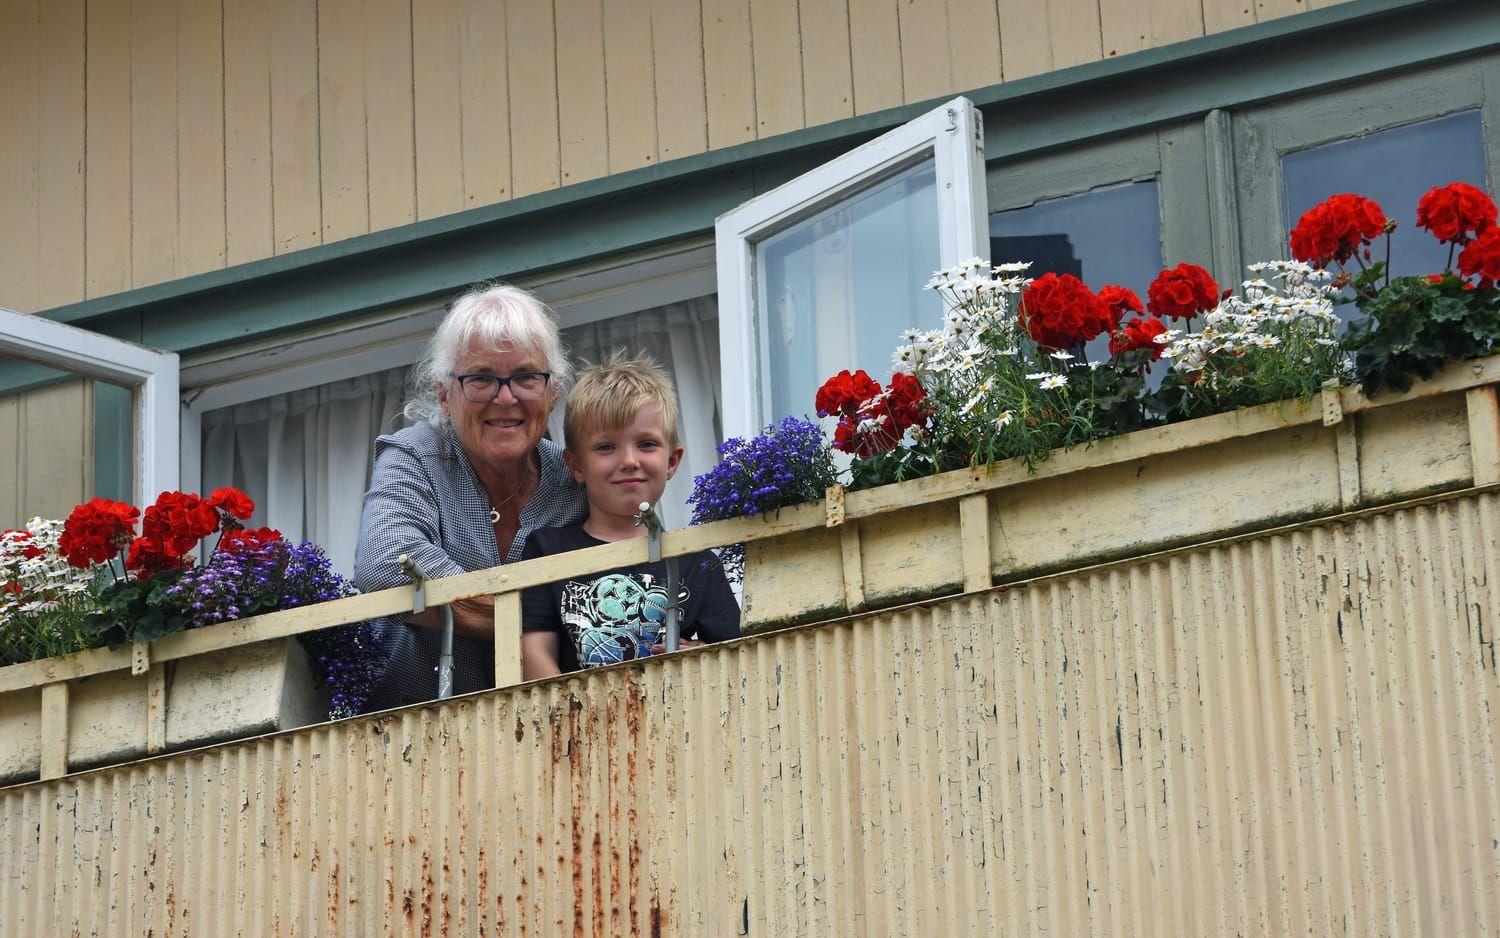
(684, 339)
(304, 456)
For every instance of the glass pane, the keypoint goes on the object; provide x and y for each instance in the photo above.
(63, 438)
(1394, 167)
(1109, 235)
(836, 290)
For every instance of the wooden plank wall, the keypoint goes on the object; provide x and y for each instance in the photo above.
(148, 140)
(50, 466)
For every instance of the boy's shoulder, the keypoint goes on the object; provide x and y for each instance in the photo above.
(543, 542)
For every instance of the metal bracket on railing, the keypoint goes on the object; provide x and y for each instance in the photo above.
(654, 528)
(419, 605)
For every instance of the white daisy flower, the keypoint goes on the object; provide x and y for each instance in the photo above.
(1003, 421)
(1061, 356)
(1053, 381)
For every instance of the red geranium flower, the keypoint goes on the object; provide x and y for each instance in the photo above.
(1439, 278)
(248, 538)
(232, 501)
(178, 521)
(1456, 212)
(1334, 229)
(149, 555)
(1482, 258)
(1119, 301)
(1059, 311)
(95, 531)
(844, 393)
(1182, 292)
(1138, 333)
(882, 420)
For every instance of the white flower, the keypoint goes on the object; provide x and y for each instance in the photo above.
(1053, 381)
(1061, 356)
(1013, 267)
(1003, 421)
(1162, 339)
(1011, 352)
(1039, 375)
(975, 399)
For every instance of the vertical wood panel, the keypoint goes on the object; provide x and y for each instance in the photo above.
(247, 132)
(532, 50)
(629, 89)
(484, 75)
(728, 72)
(1022, 49)
(581, 113)
(1075, 32)
(57, 461)
(681, 106)
(925, 67)
(776, 39)
(827, 72)
(1227, 14)
(1174, 21)
(1273, 9)
(59, 222)
(389, 136)
(875, 53)
(108, 151)
(10, 462)
(19, 99)
(344, 179)
(974, 43)
(1124, 27)
(153, 141)
(296, 153)
(438, 94)
(200, 149)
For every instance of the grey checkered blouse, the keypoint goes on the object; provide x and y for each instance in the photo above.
(425, 501)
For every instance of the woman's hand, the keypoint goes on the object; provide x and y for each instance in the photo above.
(538, 655)
(472, 618)
(660, 648)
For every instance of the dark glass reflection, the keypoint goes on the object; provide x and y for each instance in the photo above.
(1107, 235)
(1395, 167)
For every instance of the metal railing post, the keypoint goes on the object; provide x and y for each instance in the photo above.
(654, 529)
(419, 605)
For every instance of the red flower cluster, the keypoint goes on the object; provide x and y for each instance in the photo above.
(1119, 301)
(28, 546)
(1334, 229)
(1482, 258)
(1138, 333)
(233, 502)
(1059, 311)
(1456, 212)
(248, 539)
(876, 422)
(845, 393)
(96, 530)
(1182, 292)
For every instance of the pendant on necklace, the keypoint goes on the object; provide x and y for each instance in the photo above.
(494, 516)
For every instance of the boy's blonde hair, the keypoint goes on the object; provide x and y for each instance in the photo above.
(608, 395)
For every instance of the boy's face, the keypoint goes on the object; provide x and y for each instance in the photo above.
(622, 468)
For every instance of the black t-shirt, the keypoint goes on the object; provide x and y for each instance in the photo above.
(618, 615)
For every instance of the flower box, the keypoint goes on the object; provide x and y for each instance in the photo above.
(1132, 494)
(116, 716)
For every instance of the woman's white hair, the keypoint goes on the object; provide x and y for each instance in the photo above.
(488, 316)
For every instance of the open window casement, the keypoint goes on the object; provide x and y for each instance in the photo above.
(150, 374)
(825, 272)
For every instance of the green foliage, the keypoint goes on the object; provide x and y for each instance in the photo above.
(137, 610)
(1413, 326)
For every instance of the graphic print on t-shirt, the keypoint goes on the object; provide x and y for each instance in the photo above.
(616, 617)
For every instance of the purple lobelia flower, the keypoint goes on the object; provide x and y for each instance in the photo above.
(787, 463)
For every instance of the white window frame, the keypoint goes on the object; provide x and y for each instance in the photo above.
(953, 134)
(151, 374)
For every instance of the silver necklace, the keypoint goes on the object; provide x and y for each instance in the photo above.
(496, 506)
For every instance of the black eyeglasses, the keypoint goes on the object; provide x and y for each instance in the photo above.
(524, 385)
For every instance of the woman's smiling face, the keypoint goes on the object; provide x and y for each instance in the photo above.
(502, 432)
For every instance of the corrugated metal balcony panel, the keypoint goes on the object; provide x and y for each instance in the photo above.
(1286, 734)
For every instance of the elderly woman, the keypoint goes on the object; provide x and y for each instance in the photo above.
(462, 488)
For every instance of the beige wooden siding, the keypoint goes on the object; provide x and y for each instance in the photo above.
(1285, 734)
(47, 456)
(147, 140)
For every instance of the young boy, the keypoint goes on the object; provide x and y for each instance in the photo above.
(620, 431)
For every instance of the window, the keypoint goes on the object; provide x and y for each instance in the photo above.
(1395, 167)
(1108, 235)
(150, 375)
(825, 271)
